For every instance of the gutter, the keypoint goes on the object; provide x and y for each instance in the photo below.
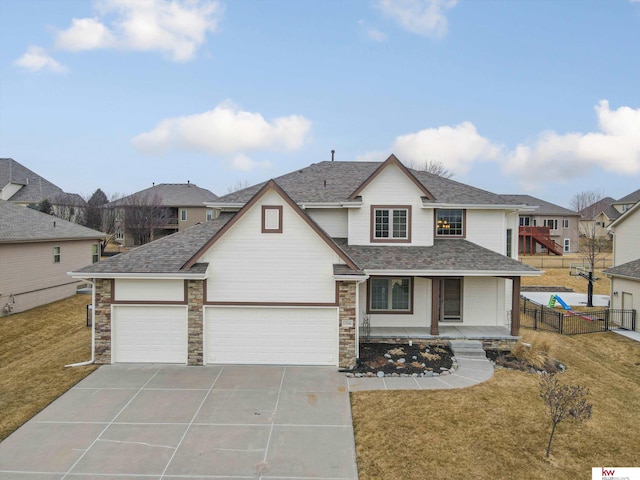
(142, 276)
(93, 328)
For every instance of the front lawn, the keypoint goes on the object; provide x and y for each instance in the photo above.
(499, 429)
(35, 346)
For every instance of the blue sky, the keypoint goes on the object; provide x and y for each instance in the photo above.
(528, 96)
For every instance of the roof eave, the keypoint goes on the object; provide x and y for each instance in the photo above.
(141, 276)
(449, 273)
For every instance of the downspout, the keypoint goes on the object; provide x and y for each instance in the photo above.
(93, 327)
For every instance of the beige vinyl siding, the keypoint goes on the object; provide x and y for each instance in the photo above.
(627, 239)
(484, 301)
(149, 290)
(293, 266)
(391, 187)
(488, 229)
(29, 267)
(632, 290)
(334, 221)
(195, 215)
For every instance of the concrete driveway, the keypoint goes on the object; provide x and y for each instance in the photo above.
(132, 422)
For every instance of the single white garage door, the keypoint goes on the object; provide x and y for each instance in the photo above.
(284, 336)
(149, 334)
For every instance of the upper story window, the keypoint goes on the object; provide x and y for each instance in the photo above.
(95, 253)
(551, 223)
(56, 254)
(525, 221)
(272, 219)
(183, 215)
(450, 223)
(565, 223)
(391, 224)
(209, 215)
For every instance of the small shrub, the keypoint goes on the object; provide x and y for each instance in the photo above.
(535, 352)
(430, 356)
(396, 351)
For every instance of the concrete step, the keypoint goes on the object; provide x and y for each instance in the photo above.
(467, 349)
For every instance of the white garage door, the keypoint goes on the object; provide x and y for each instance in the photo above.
(287, 336)
(149, 334)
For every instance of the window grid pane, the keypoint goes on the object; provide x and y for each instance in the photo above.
(379, 296)
(382, 223)
(400, 294)
(449, 223)
(399, 224)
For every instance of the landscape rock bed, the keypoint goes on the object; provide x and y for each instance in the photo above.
(403, 360)
(505, 359)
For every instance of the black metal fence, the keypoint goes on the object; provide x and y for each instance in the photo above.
(540, 317)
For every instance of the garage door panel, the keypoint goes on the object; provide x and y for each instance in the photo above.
(291, 336)
(150, 334)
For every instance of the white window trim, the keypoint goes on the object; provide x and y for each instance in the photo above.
(391, 209)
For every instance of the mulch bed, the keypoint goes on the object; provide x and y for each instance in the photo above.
(505, 359)
(403, 359)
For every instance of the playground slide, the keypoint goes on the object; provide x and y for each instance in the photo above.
(561, 302)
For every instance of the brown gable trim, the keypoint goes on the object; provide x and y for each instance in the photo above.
(392, 160)
(271, 184)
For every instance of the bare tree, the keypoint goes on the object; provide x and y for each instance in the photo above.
(591, 244)
(143, 215)
(110, 223)
(239, 185)
(434, 167)
(563, 402)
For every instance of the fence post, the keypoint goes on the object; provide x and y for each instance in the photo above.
(606, 320)
(561, 321)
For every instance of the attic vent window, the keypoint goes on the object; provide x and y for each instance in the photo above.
(272, 219)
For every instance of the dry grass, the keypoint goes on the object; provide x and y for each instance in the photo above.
(498, 429)
(559, 277)
(533, 349)
(35, 347)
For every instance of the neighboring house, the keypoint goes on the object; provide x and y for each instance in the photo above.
(36, 252)
(159, 211)
(292, 268)
(625, 273)
(626, 202)
(598, 216)
(22, 186)
(550, 228)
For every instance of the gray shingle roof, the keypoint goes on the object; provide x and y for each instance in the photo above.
(630, 269)
(35, 187)
(445, 255)
(172, 195)
(22, 224)
(336, 181)
(165, 255)
(544, 208)
(603, 206)
(633, 197)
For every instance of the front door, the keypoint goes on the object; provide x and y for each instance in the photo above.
(451, 300)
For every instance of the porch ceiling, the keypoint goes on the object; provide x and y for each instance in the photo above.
(448, 256)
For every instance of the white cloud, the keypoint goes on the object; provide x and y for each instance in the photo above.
(614, 148)
(376, 35)
(423, 17)
(227, 131)
(174, 27)
(457, 148)
(36, 58)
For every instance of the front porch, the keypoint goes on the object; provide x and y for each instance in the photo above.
(446, 332)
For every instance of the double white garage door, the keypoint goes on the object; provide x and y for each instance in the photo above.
(261, 335)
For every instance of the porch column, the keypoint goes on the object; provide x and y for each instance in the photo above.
(102, 310)
(515, 306)
(195, 298)
(347, 324)
(435, 306)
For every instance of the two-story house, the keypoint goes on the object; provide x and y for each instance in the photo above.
(597, 217)
(36, 252)
(549, 228)
(160, 210)
(22, 186)
(625, 273)
(291, 269)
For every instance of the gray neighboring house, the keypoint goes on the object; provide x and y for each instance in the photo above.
(174, 207)
(626, 202)
(551, 228)
(20, 185)
(602, 213)
(36, 252)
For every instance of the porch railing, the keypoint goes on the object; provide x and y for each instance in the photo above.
(540, 317)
